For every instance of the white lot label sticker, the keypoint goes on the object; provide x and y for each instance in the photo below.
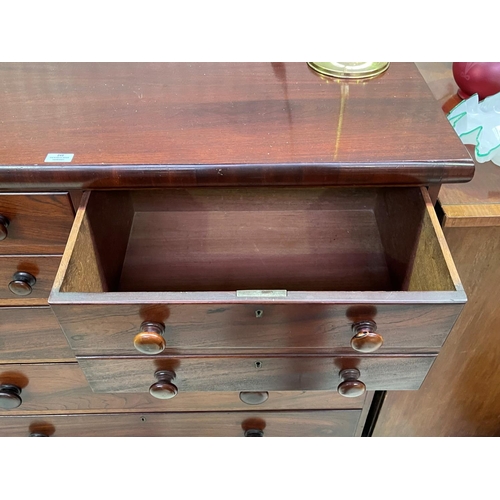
(59, 157)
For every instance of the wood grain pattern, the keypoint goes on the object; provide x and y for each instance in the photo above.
(477, 204)
(63, 388)
(219, 327)
(461, 395)
(281, 125)
(39, 223)
(97, 243)
(198, 253)
(42, 267)
(158, 125)
(479, 215)
(340, 423)
(433, 264)
(230, 239)
(420, 258)
(400, 233)
(28, 334)
(254, 373)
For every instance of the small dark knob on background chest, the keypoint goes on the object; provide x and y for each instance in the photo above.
(150, 339)
(351, 386)
(366, 339)
(37, 435)
(4, 224)
(10, 396)
(164, 388)
(22, 283)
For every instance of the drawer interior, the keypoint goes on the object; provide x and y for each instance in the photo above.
(227, 239)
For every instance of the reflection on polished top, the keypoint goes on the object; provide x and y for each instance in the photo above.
(187, 118)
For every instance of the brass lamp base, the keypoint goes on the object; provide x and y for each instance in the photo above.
(356, 70)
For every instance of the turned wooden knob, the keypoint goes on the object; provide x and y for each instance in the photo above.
(150, 339)
(365, 338)
(351, 387)
(22, 283)
(254, 397)
(164, 389)
(4, 224)
(10, 396)
(253, 433)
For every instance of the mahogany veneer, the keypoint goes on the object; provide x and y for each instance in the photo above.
(187, 124)
(338, 423)
(255, 216)
(31, 333)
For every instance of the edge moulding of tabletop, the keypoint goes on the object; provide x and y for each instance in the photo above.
(280, 124)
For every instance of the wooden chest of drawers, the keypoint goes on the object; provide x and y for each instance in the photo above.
(230, 270)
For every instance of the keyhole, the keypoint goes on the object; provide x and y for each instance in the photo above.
(143, 419)
(259, 313)
(258, 364)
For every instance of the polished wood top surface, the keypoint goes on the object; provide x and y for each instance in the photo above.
(476, 203)
(165, 124)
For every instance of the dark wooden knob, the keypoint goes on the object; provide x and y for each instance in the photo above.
(351, 387)
(22, 283)
(150, 339)
(366, 339)
(38, 435)
(164, 389)
(10, 396)
(254, 433)
(4, 224)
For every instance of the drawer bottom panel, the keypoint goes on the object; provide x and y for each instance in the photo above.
(320, 423)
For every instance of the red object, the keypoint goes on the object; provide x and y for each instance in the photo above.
(482, 78)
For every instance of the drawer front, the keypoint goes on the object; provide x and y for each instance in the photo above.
(176, 260)
(340, 423)
(62, 388)
(247, 373)
(42, 268)
(37, 223)
(31, 333)
(93, 329)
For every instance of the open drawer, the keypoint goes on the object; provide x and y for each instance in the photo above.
(215, 269)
